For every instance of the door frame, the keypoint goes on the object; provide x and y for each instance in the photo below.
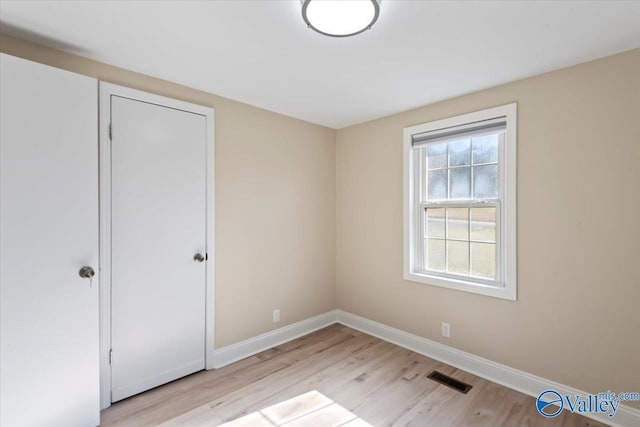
(106, 90)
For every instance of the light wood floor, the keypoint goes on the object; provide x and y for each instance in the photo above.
(340, 377)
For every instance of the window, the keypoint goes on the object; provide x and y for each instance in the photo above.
(460, 202)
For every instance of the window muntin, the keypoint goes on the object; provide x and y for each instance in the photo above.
(461, 241)
(460, 202)
(459, 237)
(462, 169)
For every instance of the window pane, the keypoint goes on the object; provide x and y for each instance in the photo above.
(435, 255)
(435, 223)
(458, 257)
(485, 149)
(458, 223)
(460, 152)
(460, 183)
(437, 155)
(483, 224)
(483, 260)
(437, 185)
(485, 182)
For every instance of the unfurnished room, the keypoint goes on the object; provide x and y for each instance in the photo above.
(320, 213)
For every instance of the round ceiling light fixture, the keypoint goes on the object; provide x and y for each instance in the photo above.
(340, 18)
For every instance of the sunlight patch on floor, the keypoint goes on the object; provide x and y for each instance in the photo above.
(312, 409)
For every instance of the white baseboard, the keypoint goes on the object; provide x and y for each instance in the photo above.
(521, 381)
(249, 347)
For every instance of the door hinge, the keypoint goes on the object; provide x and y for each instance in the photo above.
(110, 133)
(110, 357)
(206, 256)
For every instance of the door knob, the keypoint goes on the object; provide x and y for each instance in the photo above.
(86, 272)
(198, 258)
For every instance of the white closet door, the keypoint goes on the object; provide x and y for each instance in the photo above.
(49, 366)
(158, 225)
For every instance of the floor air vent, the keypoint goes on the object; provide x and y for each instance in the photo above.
(449, 382)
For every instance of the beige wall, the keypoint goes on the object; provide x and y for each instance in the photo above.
(275, 203)
(576, 320)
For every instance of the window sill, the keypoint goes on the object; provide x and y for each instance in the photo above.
(503, 292)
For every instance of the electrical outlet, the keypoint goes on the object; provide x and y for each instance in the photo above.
(276, 315)
(446, 330)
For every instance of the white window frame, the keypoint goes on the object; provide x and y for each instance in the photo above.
(505, 285)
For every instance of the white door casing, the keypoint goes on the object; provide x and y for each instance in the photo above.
(49, 367)
(156, 214)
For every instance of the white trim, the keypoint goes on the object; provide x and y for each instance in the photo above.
(104, 159)
(252, 346)
(521, 381)
(210, 272)
(106, 90)
(408, 194)
(509, 213)
(507, 239)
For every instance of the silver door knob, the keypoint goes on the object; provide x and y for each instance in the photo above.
(86, 272)
(198, 258)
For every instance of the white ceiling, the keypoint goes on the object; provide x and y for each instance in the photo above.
(260, 52)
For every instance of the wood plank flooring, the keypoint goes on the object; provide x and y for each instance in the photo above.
(335, 376)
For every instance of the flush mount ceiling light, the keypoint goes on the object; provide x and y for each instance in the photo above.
(340, 18)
